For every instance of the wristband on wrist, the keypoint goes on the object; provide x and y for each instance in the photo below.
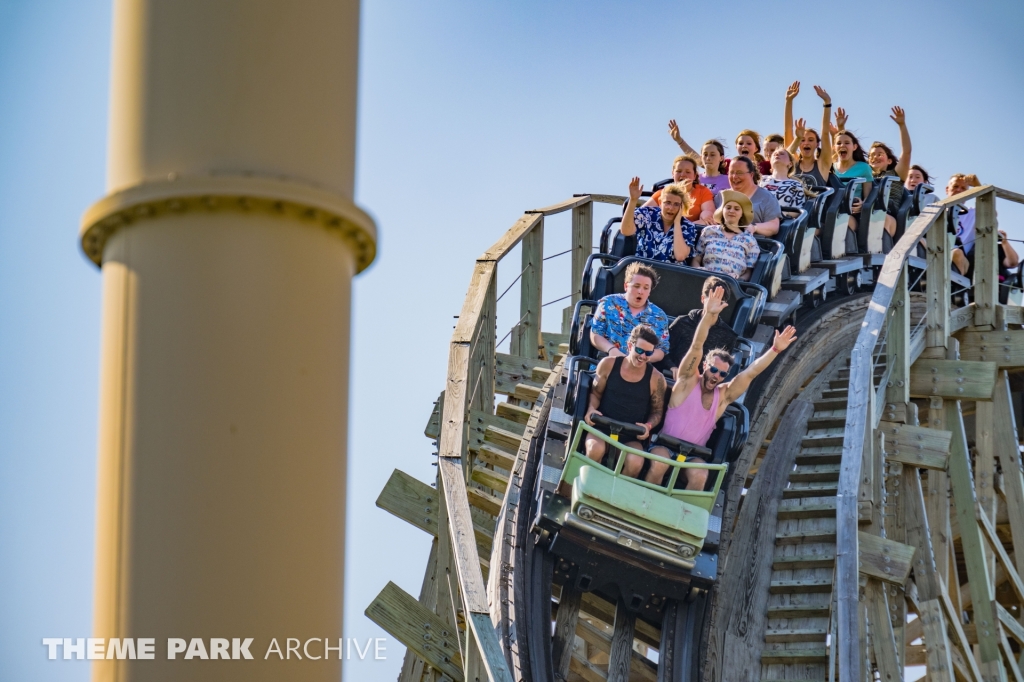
(777, 351)
(827, 106)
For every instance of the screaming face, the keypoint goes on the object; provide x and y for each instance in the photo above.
(638, 289)
(715, 370)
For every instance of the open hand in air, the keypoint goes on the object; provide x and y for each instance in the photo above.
(635, 189)
(714, 302)
(784, 338)
(793, 90)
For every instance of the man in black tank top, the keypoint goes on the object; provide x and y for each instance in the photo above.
(627, 389)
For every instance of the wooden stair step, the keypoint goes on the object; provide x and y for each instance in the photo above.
(795, 656)
(827, 489)
(815, 472)
(785, 636)
(807, 511)
(838, 384)
(835, 393)
(483, 500)
(495, 456)
(805, 536)
(824, 405)
(490, 479)
(829, 422)
(513, 412)
(834, 457)
(822, 440)
(797, 563)
(790, 611)
(504, 439)
(540, 374)
(527, 392)
(802, 586)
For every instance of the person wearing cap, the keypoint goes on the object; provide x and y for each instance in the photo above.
(729, 246)
(743, 177)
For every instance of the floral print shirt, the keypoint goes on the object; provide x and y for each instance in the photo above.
(615, 321)
(729, 256)
(651, 239)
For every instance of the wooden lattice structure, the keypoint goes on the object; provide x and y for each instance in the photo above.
(883, 478)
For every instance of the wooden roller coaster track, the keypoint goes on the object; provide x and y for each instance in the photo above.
(882, 504)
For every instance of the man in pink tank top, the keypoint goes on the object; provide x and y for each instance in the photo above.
(701, 394)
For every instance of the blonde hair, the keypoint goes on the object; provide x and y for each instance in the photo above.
(970, 180)
(792, 161)
(757, 142)
(677, 190)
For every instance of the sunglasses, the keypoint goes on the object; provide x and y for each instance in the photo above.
(715, 370)
(641, 351)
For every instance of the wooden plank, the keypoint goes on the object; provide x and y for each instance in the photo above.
(961, 318)
(1004, 644)
(453, 438)
(986, 257)
(1007, 194)
(937, 286)
(915, 445)
(885, 559)
(1009, 458)
(1005, 348)
(484, 501)
(587, 671)
(1013, 627)
(463, 536)
(639, 667)
(953, 619)
(489, 479)
(742, 623)
(467, 327)
(413, 665)
(411, 500)
(512, 237)
(937, 647)
(582, 245)
(616, 199)
(418, 628)
(554, 344)
(621, 651)
(514, 413)
(898, 343)
(918, 536)
(594, 606)
(565, 630)
(962, 483)
(882, 638)
(1009, 314)
(1011, 571)
(956, 379)
(433, 427)
(562, 206)
(491, 656)
(530, 293)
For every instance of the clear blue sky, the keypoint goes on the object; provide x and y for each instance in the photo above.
(470, 113)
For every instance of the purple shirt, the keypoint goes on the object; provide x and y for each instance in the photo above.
(715, 184)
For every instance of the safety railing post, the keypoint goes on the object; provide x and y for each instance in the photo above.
(898, 344)
(528, 343)
(937, 285)
(582, 244)
(986, 266)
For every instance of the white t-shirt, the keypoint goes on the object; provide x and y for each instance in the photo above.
(790, 193)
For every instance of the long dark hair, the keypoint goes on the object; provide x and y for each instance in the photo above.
(722, 166)
(888, 152)
(858, 153)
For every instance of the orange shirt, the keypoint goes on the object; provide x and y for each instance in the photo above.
(698, 195)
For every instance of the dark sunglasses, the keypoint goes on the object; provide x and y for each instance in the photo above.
(715, 370)
(641, 351)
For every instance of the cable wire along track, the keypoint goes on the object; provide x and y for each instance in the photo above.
(864, 506)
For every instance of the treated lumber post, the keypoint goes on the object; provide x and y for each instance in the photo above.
(961, 478)
(882, 637)
(937, 284)
(481, 362)
(1006, 448)
(986, 256)
(985, 469)
(621, 654)
(565, 630)
(582, 245)
(412, 665)
(898, 343)
(528, 330)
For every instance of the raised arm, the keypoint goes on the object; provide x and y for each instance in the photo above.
(903, 165)
(673, 130)
(738, 386)
(713, 306)
(658, 386)
(628, 226)
(825, 157)
(793, 147)
(787, 117)
(1010, 257)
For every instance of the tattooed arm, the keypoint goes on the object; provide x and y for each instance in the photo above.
(658, 387)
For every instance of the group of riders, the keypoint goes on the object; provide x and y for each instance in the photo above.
(710, 217)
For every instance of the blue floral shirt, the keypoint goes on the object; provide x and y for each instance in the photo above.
(615, 321)
(651, 239)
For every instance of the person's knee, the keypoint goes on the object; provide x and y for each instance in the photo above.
(661, 451)
(595, 448)
(696, 478)
(890, 225)
(633, 465)
(656, 472)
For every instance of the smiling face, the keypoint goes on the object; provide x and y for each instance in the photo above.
(639, 359)
(740, 177)
(745, 146)
(809, 144)
(844, 147)
(671, 205)
(878, 159)
(732, 214)
(956, 185)
(638, 290)
(914, 178)
(710, 157)
(709, 379)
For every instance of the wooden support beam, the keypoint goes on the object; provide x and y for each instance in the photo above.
(582, 244)
(885, 559)
(882, 639)
(418, 628)
(953, 619)
(898, 343)
(955, 379)
(1011, 571)
(621, 653)
(962, 480)
(1005, 348)
(937, 285)
(640, 669)
(411, 500)
(530, 293)
(1007, 449)
(937, 645)
(565, 630)
(986, 256)
(915, 445)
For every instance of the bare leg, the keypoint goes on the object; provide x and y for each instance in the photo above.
(657, 471)
(696, 478)
(960, 261)
(595, 448)
(634, 463)
(890, 225)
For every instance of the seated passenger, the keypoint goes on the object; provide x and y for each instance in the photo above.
(683, 328)
(664, 233)
(787, 190)
(851, 163)
(963, 255)
(712, 156)
(699, 397)
(617, 315)
(915, 176)
(748, 144)
(1008, 258)
(729, 246)
(627, 389)
(884, 163)
(743, 178)
(814, 156)
(701, 200)
(771, 143)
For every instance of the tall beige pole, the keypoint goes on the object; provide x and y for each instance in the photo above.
(228, 241)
